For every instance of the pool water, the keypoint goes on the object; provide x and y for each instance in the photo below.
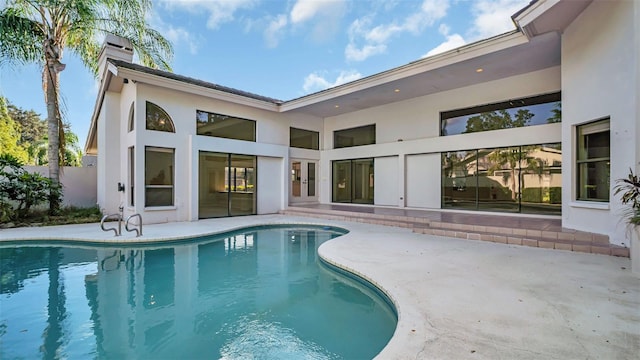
(261, 293)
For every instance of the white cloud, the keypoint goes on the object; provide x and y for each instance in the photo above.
(353, 53)
(316, 82)
(452, 41)
(325, 16)
(366, 41)
(493, 17)
(274, 30)
(304, 10)
(176, 35)
(219, 12)
(181, 36)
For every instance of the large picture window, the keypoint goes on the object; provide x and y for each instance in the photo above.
(363, 135)
(593, 161)
(304, 139)
(224, 126)
(353, 181)
(537, 110)
(526, 179)
(159, 176)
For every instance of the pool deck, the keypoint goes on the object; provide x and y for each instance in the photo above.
(458, 298)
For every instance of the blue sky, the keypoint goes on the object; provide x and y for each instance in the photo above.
(282, 49)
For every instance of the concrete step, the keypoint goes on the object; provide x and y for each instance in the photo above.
(564, 239)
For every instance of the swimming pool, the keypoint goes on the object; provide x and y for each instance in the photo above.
(257, 293)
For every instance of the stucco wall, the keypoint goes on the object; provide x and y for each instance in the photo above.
(385, 179)
(272, 132)
(600, 79)
(416, 123)
(79, 184)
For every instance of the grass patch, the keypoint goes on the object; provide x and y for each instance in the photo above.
(67, 215)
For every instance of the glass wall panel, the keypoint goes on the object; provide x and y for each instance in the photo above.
(541, 179)
(229, 127)
(362, 181)
(159, 176)
(227, 185)
(459, 179)
(305, 139)
(537, 110)
(242, 180)
(213, 197)
(353, 181)
(363, 135)
(296, 177)
(498, 180)
(523, 179)
(311, 177)
(342, 181)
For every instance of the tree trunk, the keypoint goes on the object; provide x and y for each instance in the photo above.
(51, 83)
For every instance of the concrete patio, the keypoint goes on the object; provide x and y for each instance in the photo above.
(457, 298)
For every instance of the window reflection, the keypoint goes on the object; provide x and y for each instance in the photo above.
(593, 161)
(159, 176)
(224, 126)
(524, 179)
(363, 135)
(353, 181)
(537, 110)
(159, 278)
(157, 119)
(227, 185)
(304, 139)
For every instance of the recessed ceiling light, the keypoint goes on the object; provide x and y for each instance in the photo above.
(479, 70)
(337, 106)
(397, 90)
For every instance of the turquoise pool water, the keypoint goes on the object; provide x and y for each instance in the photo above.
(260, 293)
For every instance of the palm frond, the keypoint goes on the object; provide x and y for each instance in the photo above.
(20, 38)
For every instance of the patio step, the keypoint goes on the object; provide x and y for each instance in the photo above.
(567, 239)
(559, 239)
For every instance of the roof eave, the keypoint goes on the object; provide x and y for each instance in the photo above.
(453, 56)
(91, 146)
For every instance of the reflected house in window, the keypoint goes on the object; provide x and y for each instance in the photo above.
(525, 179)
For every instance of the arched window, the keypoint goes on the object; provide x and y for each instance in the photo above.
(158, 119)
(132, 116)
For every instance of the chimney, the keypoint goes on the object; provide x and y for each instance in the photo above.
(114, 47)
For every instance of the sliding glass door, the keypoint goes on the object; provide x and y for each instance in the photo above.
(226, 185)
(353, 181)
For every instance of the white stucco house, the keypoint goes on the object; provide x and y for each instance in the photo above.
(540, 120)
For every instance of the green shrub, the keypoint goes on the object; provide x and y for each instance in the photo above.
(21, 190)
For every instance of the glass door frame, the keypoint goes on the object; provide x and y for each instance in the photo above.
(303, 188)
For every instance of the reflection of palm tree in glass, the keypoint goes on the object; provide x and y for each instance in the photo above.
(496, 120)
(455, 167)
(514, 159)
(556, 116)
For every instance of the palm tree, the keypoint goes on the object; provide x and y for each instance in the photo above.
(38, 31)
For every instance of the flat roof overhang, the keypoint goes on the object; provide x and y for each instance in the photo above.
(543, 16)
(499, 57)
